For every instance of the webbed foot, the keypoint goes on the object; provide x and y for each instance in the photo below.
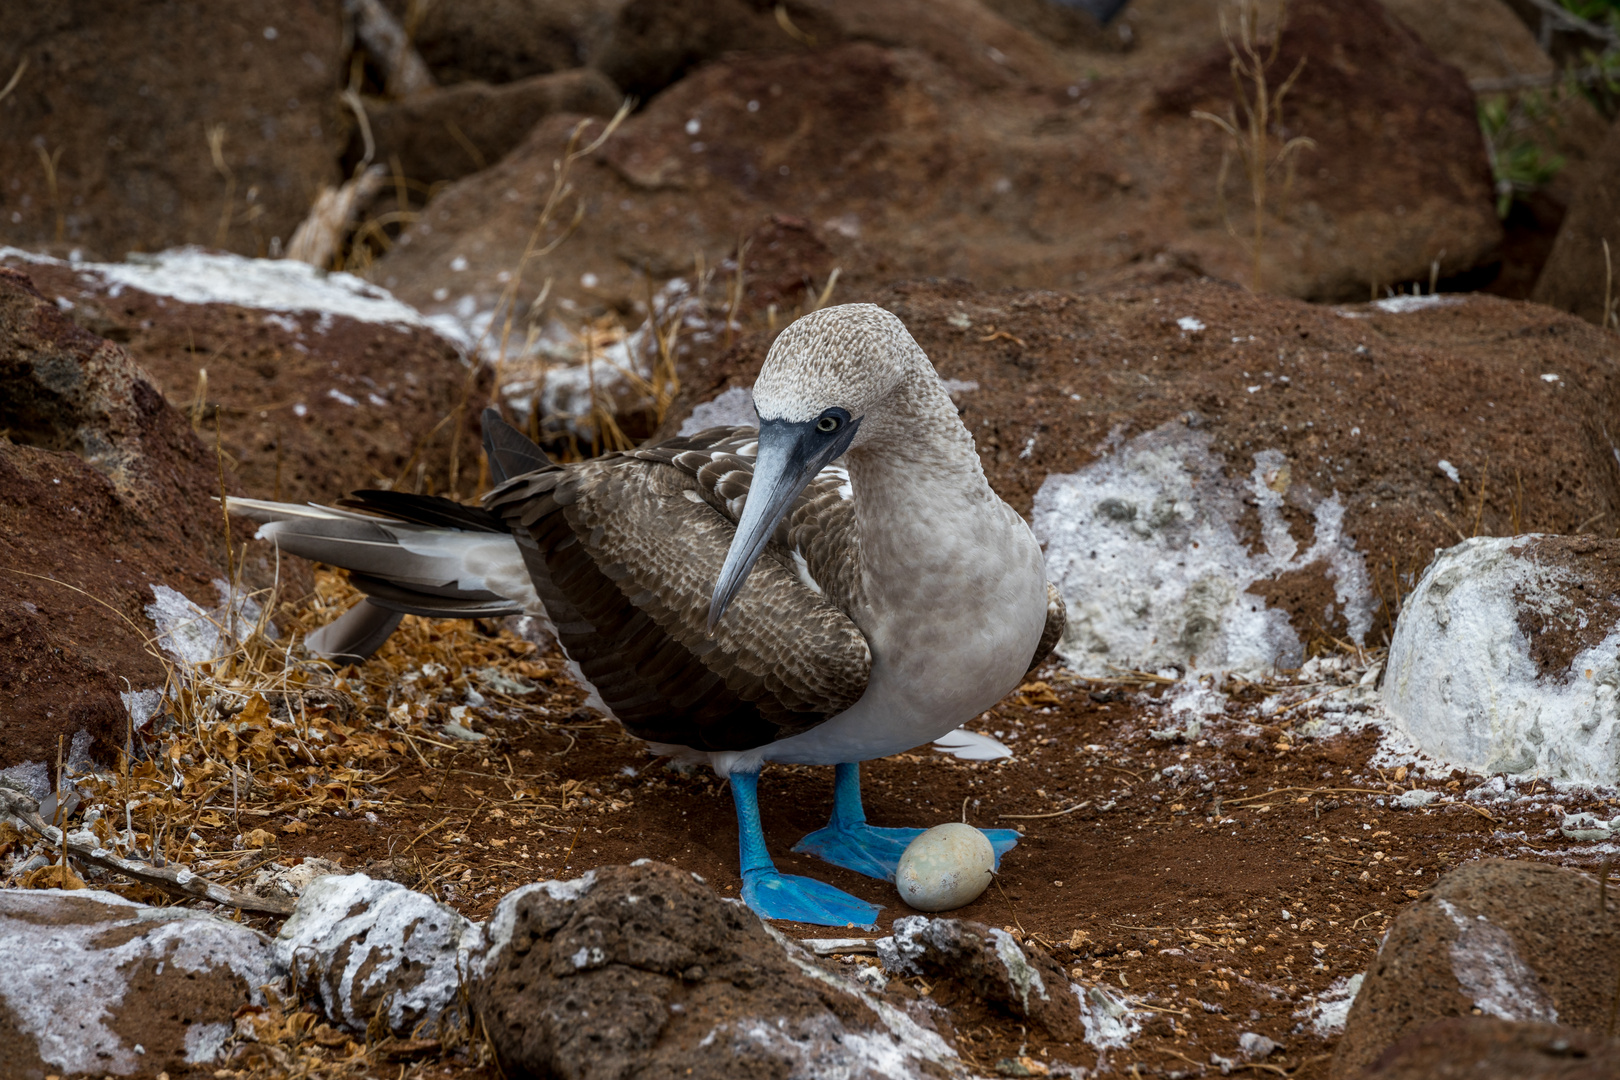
(875, 851)
(774, 895)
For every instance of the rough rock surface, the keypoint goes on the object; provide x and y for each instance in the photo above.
(906, 162)
(991, 965)
(1506, 658)
(446, 134)
(319, 384)
(505, 40)
(1576, 273)
(652, 44)
(1516, 941)
(1483, 39)
(103, 488)
(121, 105)
(1486, 1048)
(641, 971)
(359, 946)
(1254, 474)
(95, 984)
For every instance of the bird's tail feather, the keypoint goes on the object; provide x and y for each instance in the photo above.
(354, 635)
(511, 453)
(971, 746)
(405, 567)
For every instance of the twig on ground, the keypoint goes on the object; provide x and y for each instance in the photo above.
(1312, 791)
(176, 881)
(1055, 813)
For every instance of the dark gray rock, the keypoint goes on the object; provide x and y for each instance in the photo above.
(642, 971)
(1518, 941)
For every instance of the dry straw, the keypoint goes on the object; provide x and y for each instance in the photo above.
(1255, 136)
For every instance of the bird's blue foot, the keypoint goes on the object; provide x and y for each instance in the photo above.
(848, 841)
(774, 895)
(875, 851)
(865, 849)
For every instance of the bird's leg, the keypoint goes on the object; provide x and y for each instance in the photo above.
(774, 895)
(848, 841)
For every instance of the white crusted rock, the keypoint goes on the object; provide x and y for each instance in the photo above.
(94, 983)
(992, 966)
(357, 945)
(1506, 658)
(1146, 546)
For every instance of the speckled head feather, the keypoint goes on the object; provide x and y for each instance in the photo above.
(851, 357)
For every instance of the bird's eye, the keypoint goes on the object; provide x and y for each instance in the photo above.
(827, 425)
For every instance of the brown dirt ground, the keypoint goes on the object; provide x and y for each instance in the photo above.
(1141, 886)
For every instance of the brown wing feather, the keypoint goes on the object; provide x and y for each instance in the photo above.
(1057, 617)
(624, 551)
(820, 526)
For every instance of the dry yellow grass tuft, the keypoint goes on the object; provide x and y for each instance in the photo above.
(1254, 49)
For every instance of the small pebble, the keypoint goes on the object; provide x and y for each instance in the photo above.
(944, 868)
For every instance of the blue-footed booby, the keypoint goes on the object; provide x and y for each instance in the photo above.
(837, 585)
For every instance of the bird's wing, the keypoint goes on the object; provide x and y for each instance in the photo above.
(817, 537)
(1057, 618)
(624, 552)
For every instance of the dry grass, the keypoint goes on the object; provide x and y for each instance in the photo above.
(1255, 136)
(249, 745)
(1611, 306)
(48, 162)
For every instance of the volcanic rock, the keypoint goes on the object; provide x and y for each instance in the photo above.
(990, 965)
(904, 162)
(316, 384)
(641, 971)
(96, 984)
(1486, 1048)
(446, 134)
(1579, 276)
(366, 949)
(105, 492)
(655, 43)
(1517, 941)
(1483, 39)
(1221, 479)
(138, 127)
(506, 40)
(1506, 658)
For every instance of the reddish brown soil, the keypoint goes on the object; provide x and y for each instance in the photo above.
(1150, 896)
(264, 366)
(82, 541)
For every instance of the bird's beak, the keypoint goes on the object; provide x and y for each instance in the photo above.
(791, 453)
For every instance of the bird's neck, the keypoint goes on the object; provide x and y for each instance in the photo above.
(922, 503)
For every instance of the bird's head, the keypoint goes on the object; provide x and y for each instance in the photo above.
(828, 375)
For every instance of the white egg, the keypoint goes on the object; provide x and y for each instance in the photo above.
(944, 868)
